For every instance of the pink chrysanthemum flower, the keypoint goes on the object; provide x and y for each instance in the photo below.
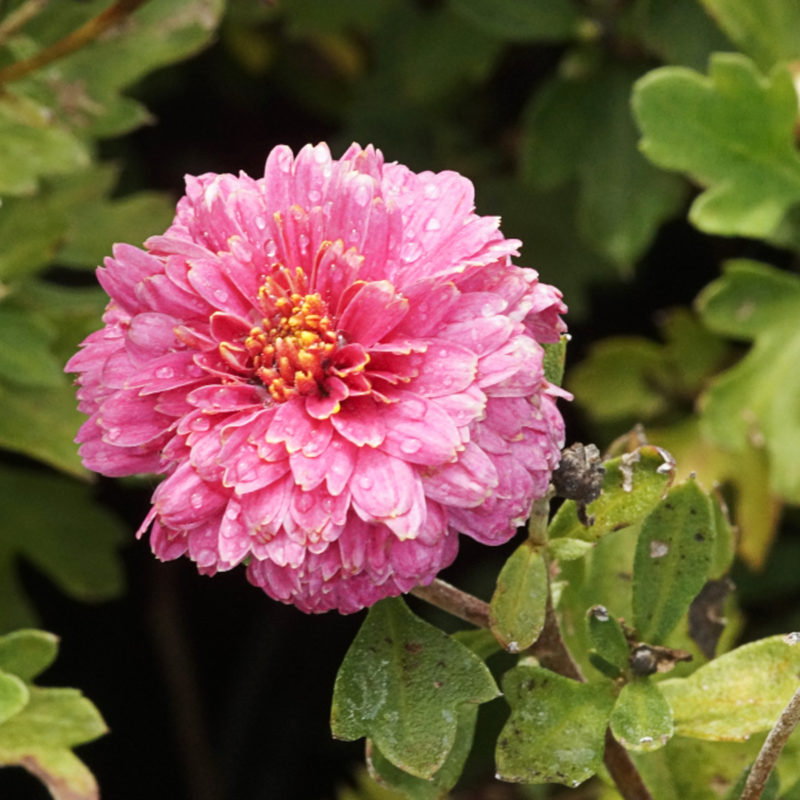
(337, 368)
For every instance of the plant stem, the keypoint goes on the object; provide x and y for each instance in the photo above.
(552, 653)
(17, 18)
(771, 749)
(89, 31)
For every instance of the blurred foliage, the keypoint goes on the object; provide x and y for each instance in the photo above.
(589, 125)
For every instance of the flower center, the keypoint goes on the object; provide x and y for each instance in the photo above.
(291, 350)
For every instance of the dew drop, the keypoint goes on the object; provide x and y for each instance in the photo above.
(431, 191)
(220, 296)
(303, 240)
(658, 549)
(194, 370)
(304, 502)
(270, 249)
(365, 482)
(201, 423)
(362, 195)
(314, 196)
(232, 512)
(112, 434)
(433, 224)
(411, 251)
(410, 446)
(196, 500)
(164, 372)
(285, 161)
(261, 223)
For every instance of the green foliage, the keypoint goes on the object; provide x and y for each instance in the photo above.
(734, 136)
(38, 726)
(672, 562)
(400, 667)
(520, 22)
(753, 403)
(517, 609)
(642, 718)
(556, 730)
(738, 694)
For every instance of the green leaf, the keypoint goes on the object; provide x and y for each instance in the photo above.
(399, 667)
(517, 608)
(40, 736)
(14, 695)
(480, 640)
(632, 485)
(26, 653)
(581, 127)
(556, 730)
(66, 535)
(522, 22)
(673, 559)
(738, 694)
(447, 776)
(35, 145)
(31, 232)
(42, 423)
(555, 354)
(732, 132)
(88, 82)
(641, 719)
(568, 549)
(766, 30)
(678, 31)
(608, 639)
(25, 357)
(753, 402)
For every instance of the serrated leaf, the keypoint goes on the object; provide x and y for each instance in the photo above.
(732, 132)
(14, 695)
(737, 694)
(26, 653)
(556, 731)
(522, 22)
(766, 30)
(70, 537)
(517, 608)
(641, 719)
(447, 776)
(582, 128)
(400, 667)
(632, 485)
(40, 737)
(753, 402)
(673, 559)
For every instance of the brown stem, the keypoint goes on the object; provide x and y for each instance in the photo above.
(89, 31)
(552, 652)
(771, 749)
(17, 18)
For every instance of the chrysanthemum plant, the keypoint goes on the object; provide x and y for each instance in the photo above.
(337, 370)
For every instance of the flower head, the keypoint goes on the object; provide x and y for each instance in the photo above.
(338, 370)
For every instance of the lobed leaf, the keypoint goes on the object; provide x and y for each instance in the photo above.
(737, 694)
(752, 403)
(734, 133)
(14, 695)
(401, 668)
(556, 731)
(26, 653)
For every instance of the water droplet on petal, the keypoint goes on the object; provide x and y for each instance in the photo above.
(285, 161)
(270, 249)
(164, 372)
(433, 224)
(365, 482)
(410, 446)
(362, 195)
(232, 512)
(303, 240)
(196, 500)
(411, 251)
(304, 502)
(261, 223)
(431, 191)
(112, 434)
(220, 296)
(201, 423)
(314, 196)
